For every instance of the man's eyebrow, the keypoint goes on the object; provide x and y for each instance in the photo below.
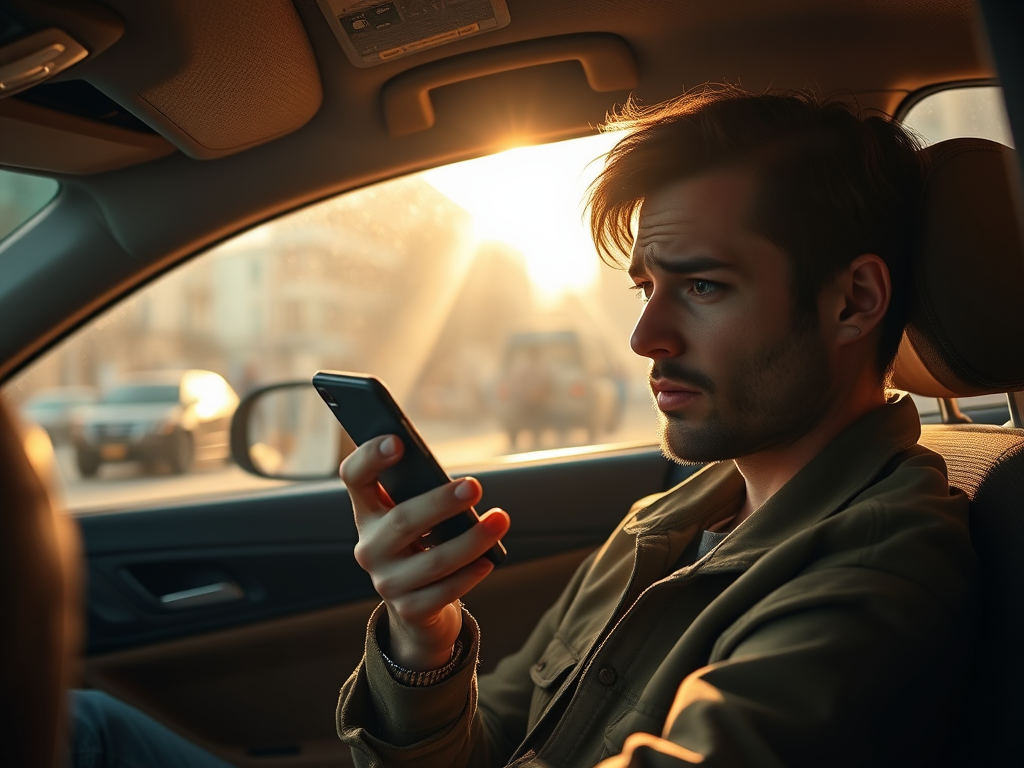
(683, 266)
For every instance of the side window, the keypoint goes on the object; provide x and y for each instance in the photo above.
(977, 112)
(472, 290)
(22, 196)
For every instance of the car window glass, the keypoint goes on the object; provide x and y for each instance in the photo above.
(21, 197)
(977, 112)
(472, 290)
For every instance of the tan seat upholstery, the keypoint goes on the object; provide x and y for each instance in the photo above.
(988, 463)
(962, 340)
(39, 601)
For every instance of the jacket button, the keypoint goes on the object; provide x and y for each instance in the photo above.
(607, 676)
(539, 666)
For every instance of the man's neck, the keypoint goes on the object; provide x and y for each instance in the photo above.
(767, 471)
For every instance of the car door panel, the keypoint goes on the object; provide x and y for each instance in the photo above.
(269, 690)
(290, 550)
(131, 595)
(255, 677)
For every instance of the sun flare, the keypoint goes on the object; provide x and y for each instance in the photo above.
(531, 199)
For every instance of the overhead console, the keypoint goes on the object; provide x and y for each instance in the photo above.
(373, 32)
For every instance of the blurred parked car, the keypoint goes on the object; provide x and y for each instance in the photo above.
(561, 380)
(53, 409)
(170, 417)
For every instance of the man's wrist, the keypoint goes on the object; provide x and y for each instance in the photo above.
(420, 648)
(422, 679)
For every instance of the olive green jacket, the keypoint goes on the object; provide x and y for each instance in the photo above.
(834, 626)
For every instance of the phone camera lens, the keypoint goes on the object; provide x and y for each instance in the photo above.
(326, 396)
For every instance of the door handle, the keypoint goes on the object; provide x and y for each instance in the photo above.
(210, 594)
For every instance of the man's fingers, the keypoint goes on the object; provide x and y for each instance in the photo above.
(496, 522)
(416, 583)
(405, 524)
(360, 471)
(422, 569)
(412, 608)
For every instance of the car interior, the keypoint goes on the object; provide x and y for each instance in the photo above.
(171, 126)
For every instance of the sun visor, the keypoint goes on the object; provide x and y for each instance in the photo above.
(47, 140)
(231, 74)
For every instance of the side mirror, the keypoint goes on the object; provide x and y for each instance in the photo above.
(285, 432)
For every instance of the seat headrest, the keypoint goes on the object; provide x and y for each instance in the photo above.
(962, 334)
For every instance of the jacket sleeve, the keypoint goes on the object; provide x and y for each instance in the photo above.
(455, 723)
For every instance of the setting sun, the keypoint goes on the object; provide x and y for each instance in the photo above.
(531, 198)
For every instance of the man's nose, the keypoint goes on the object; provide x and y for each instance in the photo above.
(658, 332)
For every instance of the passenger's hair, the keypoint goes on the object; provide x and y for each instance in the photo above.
(832, 183)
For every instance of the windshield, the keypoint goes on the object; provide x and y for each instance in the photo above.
(142, 393)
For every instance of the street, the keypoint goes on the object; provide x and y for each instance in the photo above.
(125, 485)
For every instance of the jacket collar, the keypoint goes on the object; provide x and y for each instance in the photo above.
(826, 484)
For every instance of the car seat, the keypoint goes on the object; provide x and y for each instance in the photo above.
(39, 601)
(960, 341)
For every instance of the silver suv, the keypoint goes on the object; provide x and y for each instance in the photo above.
(161, 417)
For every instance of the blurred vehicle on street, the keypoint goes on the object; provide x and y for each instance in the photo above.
(172, 418)
(53, 409)
(560, 380)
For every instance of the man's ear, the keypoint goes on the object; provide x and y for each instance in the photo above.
(863, 292)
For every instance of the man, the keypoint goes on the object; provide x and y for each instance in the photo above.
(803, 600)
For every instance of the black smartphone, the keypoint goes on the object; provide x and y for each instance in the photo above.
(366, 410)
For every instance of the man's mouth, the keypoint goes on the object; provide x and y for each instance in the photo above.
(671, 396)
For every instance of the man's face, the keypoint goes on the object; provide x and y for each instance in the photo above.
(732, 373)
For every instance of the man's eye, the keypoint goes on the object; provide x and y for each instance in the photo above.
(704, 287)
(642, 291)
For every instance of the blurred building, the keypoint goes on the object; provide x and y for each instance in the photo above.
(290, 297)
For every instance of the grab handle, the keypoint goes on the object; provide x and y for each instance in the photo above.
(607, 61)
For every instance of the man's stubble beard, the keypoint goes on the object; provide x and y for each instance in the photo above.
(772, 398)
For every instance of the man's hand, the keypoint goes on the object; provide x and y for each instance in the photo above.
(420, 588)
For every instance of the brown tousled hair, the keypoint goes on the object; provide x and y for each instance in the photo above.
(832, 183)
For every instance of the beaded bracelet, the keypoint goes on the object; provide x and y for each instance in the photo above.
(427, 677)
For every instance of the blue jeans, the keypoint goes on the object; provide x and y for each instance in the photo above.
(107, 733)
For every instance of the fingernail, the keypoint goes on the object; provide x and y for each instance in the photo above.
(389, 447)
(493, 524)
(465, 490)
